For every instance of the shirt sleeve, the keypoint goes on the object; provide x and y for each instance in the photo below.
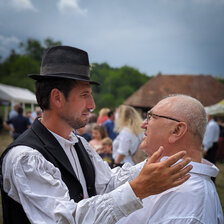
(106, 179)
(35, 183)
(125, 143)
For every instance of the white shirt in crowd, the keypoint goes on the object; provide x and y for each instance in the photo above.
(126, 144)
(211, 134)
(196, 201)
(35, 183)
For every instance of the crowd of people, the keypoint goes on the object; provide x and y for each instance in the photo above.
(73, 166)
(125, 132)
(115, 136)
(115, 140)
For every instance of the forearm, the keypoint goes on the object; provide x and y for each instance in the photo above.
(119, 158)
(48, 200)
(110, 207)
(8, 127)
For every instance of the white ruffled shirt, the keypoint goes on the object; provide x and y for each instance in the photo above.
(36, 183)
(195, 201)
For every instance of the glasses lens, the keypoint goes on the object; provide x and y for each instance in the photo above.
(148, 116)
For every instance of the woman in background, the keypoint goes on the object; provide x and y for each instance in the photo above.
(128, 124)
(98, 133)
(103, 115)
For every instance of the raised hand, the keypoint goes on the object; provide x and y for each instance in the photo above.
(156, 177)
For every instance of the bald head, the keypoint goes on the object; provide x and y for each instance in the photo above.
(187, 109)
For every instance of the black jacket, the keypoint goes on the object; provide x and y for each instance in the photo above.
(39, 138)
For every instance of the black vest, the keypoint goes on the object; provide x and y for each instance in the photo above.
(39, 138)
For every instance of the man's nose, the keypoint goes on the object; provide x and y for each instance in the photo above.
(91, 104)
(144, 124)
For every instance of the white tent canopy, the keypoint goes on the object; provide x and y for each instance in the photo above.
(14, 95)
(216, 109)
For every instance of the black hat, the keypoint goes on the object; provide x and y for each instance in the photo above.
(64, 62)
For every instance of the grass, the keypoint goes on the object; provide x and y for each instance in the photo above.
(5, 139)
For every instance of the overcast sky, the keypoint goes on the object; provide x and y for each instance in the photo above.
(167, 36)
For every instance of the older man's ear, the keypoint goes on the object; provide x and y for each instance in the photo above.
(177, 132)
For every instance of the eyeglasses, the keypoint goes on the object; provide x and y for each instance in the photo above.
(151, 114)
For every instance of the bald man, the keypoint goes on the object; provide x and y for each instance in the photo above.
(179, 122)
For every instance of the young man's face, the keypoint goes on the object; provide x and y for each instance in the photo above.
(77, 107)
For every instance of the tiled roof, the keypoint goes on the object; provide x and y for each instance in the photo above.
(205, 88)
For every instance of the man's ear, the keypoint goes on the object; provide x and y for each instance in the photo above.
(178, 132)
(57, 98)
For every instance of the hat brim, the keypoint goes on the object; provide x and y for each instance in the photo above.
(62, 76)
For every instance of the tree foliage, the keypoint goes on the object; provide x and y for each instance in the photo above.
(15, 68)
(34, 49)
(116, 83)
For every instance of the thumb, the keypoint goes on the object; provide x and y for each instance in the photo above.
(156, 155)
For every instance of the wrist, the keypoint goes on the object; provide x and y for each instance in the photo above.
(136, 189)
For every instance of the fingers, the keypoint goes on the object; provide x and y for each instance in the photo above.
(177, 167)
(182, 173)
(173, 159)
(156, 155)
(181, 180)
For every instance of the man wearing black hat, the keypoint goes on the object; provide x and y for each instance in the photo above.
(49, 175)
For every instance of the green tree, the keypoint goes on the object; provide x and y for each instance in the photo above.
(15, 70)
(32, 48)
(35, 49)
(16, 66)
(117, 84)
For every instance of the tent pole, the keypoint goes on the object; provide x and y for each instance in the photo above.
(32, 107)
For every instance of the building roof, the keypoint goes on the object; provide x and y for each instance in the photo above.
(205, 88)
(16, 94)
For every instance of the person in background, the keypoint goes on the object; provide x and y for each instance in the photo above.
(128, 125)
(220, 150)
(37, 111)
(29, 116)
(82, 132)
(211, 138)
(92, 119)
(14, 112)
(98, 133)
(103, 115)
(178, 122)
(20, 124)
(106, 151)
(109, 125)
(50, 175)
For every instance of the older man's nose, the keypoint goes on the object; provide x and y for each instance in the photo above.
(144, 124)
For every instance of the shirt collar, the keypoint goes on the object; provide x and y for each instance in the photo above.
(204, 168)
(66, 142)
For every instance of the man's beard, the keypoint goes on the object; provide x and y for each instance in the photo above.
(74, 123)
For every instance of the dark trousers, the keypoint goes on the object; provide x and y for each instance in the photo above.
(211, 155)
